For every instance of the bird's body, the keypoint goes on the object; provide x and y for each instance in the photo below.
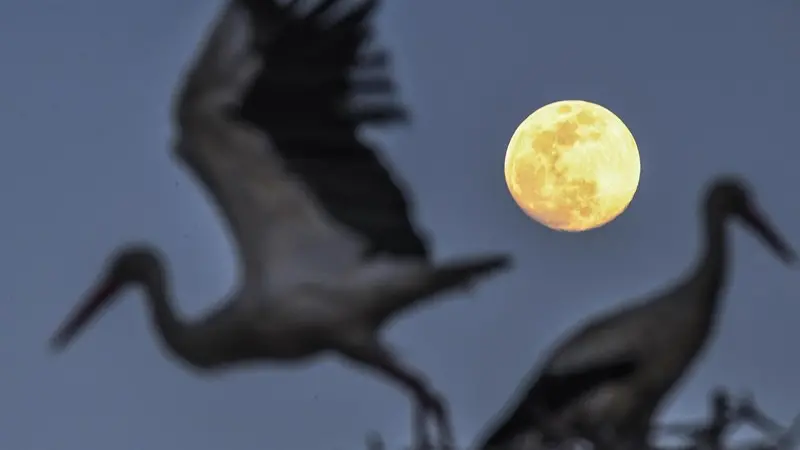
(631, 358)
(308, 321)
(267, 121)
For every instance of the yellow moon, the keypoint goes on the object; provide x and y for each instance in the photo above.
(572, 165)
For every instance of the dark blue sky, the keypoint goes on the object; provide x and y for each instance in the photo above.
(706, 87)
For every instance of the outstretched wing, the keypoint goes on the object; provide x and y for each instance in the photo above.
(268, 121)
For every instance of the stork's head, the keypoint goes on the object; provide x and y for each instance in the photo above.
(731, 196)
(728, 194)
(134, 264)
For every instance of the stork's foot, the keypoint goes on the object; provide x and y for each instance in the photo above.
(422, 438)
(438, 406)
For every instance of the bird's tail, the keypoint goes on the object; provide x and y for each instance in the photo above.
(462, 273)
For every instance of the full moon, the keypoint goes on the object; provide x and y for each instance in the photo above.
(572, 165)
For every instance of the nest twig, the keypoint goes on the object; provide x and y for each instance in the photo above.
(727, 414)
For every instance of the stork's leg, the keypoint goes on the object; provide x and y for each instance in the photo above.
(419, 423)
(378, 357)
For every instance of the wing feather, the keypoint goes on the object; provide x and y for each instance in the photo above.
(313, 121)
(267, 123)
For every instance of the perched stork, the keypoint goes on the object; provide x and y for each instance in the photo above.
(630, 359)
(267, 120)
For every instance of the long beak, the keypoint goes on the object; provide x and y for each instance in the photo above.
(85, 312)
(767, 232)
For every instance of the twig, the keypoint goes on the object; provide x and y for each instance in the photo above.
(704, 434)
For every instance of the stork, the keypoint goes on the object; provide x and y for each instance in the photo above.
(631, 358)
(267, 121)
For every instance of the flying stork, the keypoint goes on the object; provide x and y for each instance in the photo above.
(267, 121)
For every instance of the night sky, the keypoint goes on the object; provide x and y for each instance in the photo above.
(705, 87)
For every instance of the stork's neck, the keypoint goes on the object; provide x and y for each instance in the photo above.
(710, 276)
(177, 334)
